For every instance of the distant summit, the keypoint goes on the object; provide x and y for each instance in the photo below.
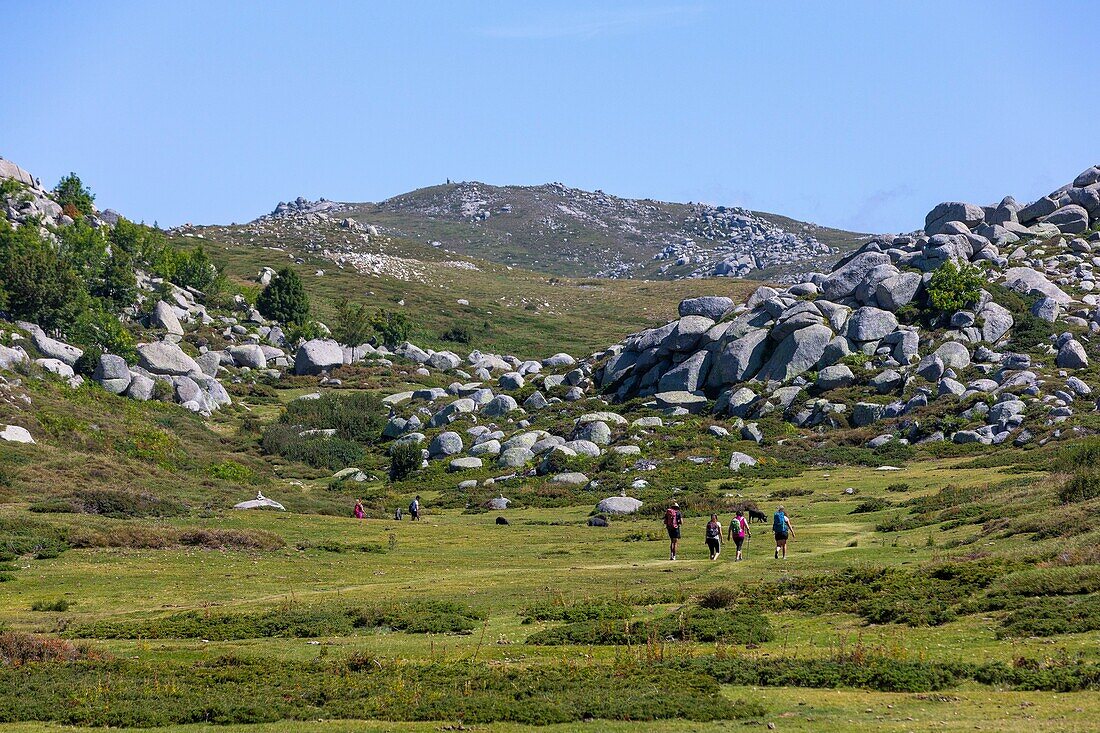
(569, 231)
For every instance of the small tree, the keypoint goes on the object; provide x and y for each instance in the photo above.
(42, 288)
(70, 191)
(118, 284)
(953, 288)
(391, 327)
(404, 459)
(284, 299)
(353, 323)
(195, 270)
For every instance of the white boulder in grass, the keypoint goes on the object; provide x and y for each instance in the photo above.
(619, 505)
(16, 434)
(260, 502)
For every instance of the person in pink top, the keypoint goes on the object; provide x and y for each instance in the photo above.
(739, 530)
(359, 513)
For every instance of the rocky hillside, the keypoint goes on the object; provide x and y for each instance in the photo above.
(567, 231)
(893, 334)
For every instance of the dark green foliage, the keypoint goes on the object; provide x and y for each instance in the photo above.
(458, 334)
(111, 503)
(392, 327)
(739, 626)
(863, 672)
(234, 690)
(118, 284)
(927, 597)
(1052, 616)
(871, 505)
(57, 606)
(284, 299)
(292, 621)
(357, 416)
(71, 191)
(19, 536)
(357, 419)
(579, 611)
(1029, 331)
(953, 288)
(722, 596)
(88, 361)
(405, 458)
(353, 323)
(39, 286)
(313, 450)
(1080, 487)
(97, 329)
(194, 269)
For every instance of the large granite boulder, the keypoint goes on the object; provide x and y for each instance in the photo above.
(318, 355)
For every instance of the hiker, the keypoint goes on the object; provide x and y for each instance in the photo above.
(714, 536)
(739, 530)
(674, 519)
(781, 526)
(359, 513)
(414, 509)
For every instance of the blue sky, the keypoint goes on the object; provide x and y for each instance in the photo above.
(854, 114)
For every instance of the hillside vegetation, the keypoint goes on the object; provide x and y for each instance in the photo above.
(924, 412)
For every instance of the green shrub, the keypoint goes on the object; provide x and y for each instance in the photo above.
(58, 606)
(358, 416)
(405, 458)
(1080, 487)
(739, 626)
(392, 327)
(284, 299)
(88, 361)
(71, 191)
(871, 505)
(39, 285)
(953, 288)
(317, 451)
(573, 612)
(457, 334)
(111, 503)
(353, 323)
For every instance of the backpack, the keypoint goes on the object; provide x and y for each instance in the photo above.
(714, 531)
(671, 518)
(413, 507)
(779, 523)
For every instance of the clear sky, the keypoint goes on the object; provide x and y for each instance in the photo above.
(860, 115)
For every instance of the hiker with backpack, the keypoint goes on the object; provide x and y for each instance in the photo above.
(782, 528)
(674, 519)
(739, 530)
(714, 536)
(359, 513)
(414, 509)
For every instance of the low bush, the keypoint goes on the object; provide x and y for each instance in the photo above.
(740, 626)
(579, 611)
(18, 649)
(58, 606)
(871, 505)
(112, 503)
(1081, 486)
(1052, 616)
(231, 690)
(313, 450)
(291, 621)
(405, 458)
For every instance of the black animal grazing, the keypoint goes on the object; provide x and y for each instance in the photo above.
(755, 515)
(597, 521)
(502, 520)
